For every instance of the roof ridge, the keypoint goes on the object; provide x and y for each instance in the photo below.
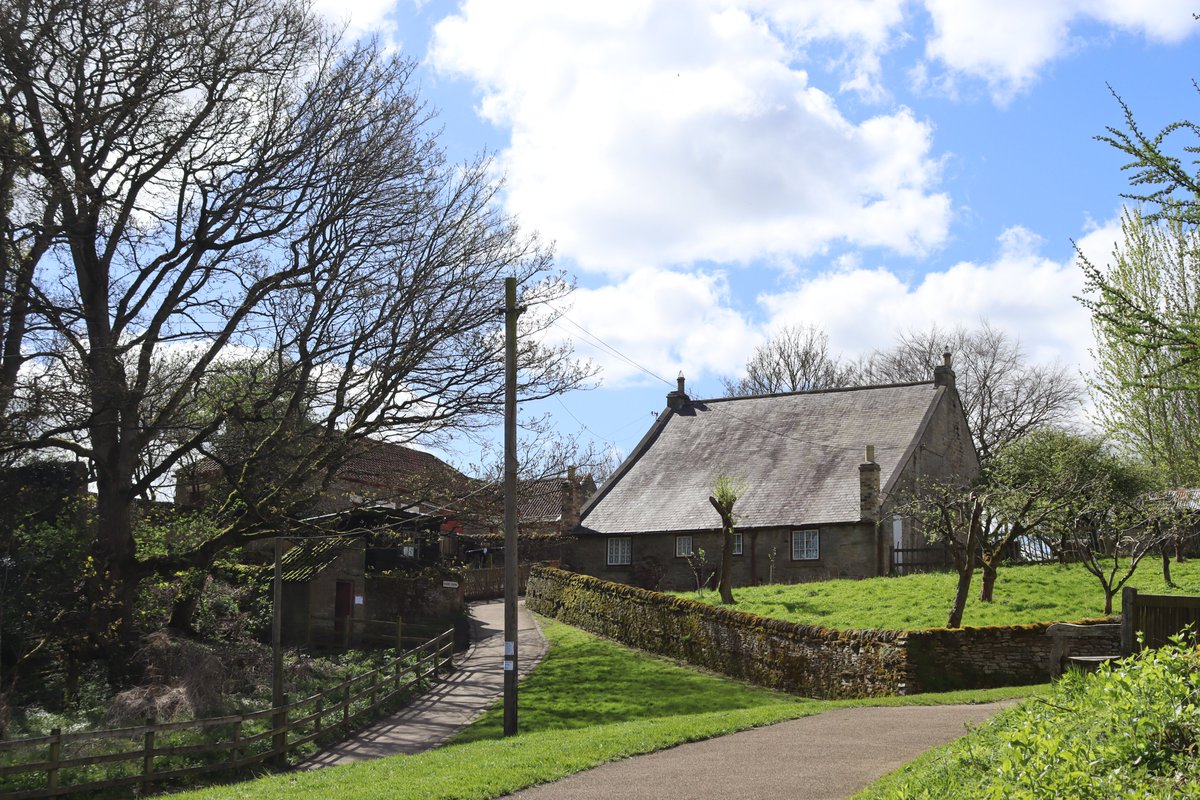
(816, 391)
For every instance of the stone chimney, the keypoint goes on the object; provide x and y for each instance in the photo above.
(572, 500)
(868, 483)
(943, 375)
(678, 399)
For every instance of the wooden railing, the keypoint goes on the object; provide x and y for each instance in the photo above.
(173, 751)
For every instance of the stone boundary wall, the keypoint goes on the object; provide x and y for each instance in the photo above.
(943, 659)
(801, 659)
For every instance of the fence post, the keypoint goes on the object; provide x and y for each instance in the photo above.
(55, 756)
(148, 755)
(279, 726)
(236, 744)
(1128, 610)
(374, 689)
(320, 712)
(346, 704)
(399, 639)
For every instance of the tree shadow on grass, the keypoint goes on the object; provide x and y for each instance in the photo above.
(585, 681)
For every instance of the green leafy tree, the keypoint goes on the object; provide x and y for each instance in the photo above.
(1162, 176)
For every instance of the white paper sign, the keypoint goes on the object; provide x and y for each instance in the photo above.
(449, 584)
(508, 665)
(358, 599)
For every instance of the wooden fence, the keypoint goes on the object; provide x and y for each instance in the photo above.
(488, 584)
(1157, 616)
(166, 753)
(910, 560)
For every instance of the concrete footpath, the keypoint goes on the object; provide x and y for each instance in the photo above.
(830, 755)
(475, 685)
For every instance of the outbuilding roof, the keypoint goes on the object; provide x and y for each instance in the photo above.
(796, 455)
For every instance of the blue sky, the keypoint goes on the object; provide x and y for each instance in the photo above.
(711, 171)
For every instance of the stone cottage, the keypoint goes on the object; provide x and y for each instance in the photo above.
(824, 474)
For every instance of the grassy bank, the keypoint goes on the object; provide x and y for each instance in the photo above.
(1024, 594)
(1132, 731)
(589, 702)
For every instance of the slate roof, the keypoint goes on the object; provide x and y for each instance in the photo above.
(796, 454)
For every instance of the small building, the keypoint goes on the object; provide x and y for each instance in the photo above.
(823, 473)
(376, 568)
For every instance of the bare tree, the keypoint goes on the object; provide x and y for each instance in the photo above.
(205, 179)
(1004, 396)
(797, 359)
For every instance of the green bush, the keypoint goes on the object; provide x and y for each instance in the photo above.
(1129, 730)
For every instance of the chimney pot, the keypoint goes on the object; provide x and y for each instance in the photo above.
(870, 454)
(677, 399)
(946, 358)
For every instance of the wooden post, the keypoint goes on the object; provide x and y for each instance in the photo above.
(148, 756)
(511, 312)
(235, 749)
(55, 757)
(281, 735)
(320, 711)
(346, 703)
(399, 638)
(1128, 612)
(374, 689)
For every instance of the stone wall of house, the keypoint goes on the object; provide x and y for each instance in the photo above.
(846, 551)
(803, 659)
(945, 453)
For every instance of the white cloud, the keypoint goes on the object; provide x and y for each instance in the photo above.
(665, 321)
(359, 17)
(1008, 44)
(656, 134)
(1020, 291)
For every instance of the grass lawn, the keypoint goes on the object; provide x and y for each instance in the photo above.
(590, 701)
(1025, 594)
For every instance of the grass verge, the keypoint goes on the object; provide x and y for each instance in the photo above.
(1024, 595)
(1132, 730)
(589, 702)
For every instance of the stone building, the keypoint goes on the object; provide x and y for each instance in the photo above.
(824, 475)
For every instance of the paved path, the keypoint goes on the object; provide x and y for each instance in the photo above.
(475, 685)
(830, 755)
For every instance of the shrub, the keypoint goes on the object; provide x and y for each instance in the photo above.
(1130, 730)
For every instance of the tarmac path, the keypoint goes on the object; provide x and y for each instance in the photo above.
(829, 755)
(474, 686)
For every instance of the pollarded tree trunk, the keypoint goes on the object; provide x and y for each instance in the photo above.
(726, 585)
(988, 585)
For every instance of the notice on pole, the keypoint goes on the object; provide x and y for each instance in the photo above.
(449, 584)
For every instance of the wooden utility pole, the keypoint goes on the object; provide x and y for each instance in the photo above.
(511, 312)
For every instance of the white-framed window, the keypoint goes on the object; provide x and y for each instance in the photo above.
(806, 545)
(620, 548)
(683, 546)
(737, 544)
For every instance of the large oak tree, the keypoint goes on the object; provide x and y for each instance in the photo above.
(201, 189)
